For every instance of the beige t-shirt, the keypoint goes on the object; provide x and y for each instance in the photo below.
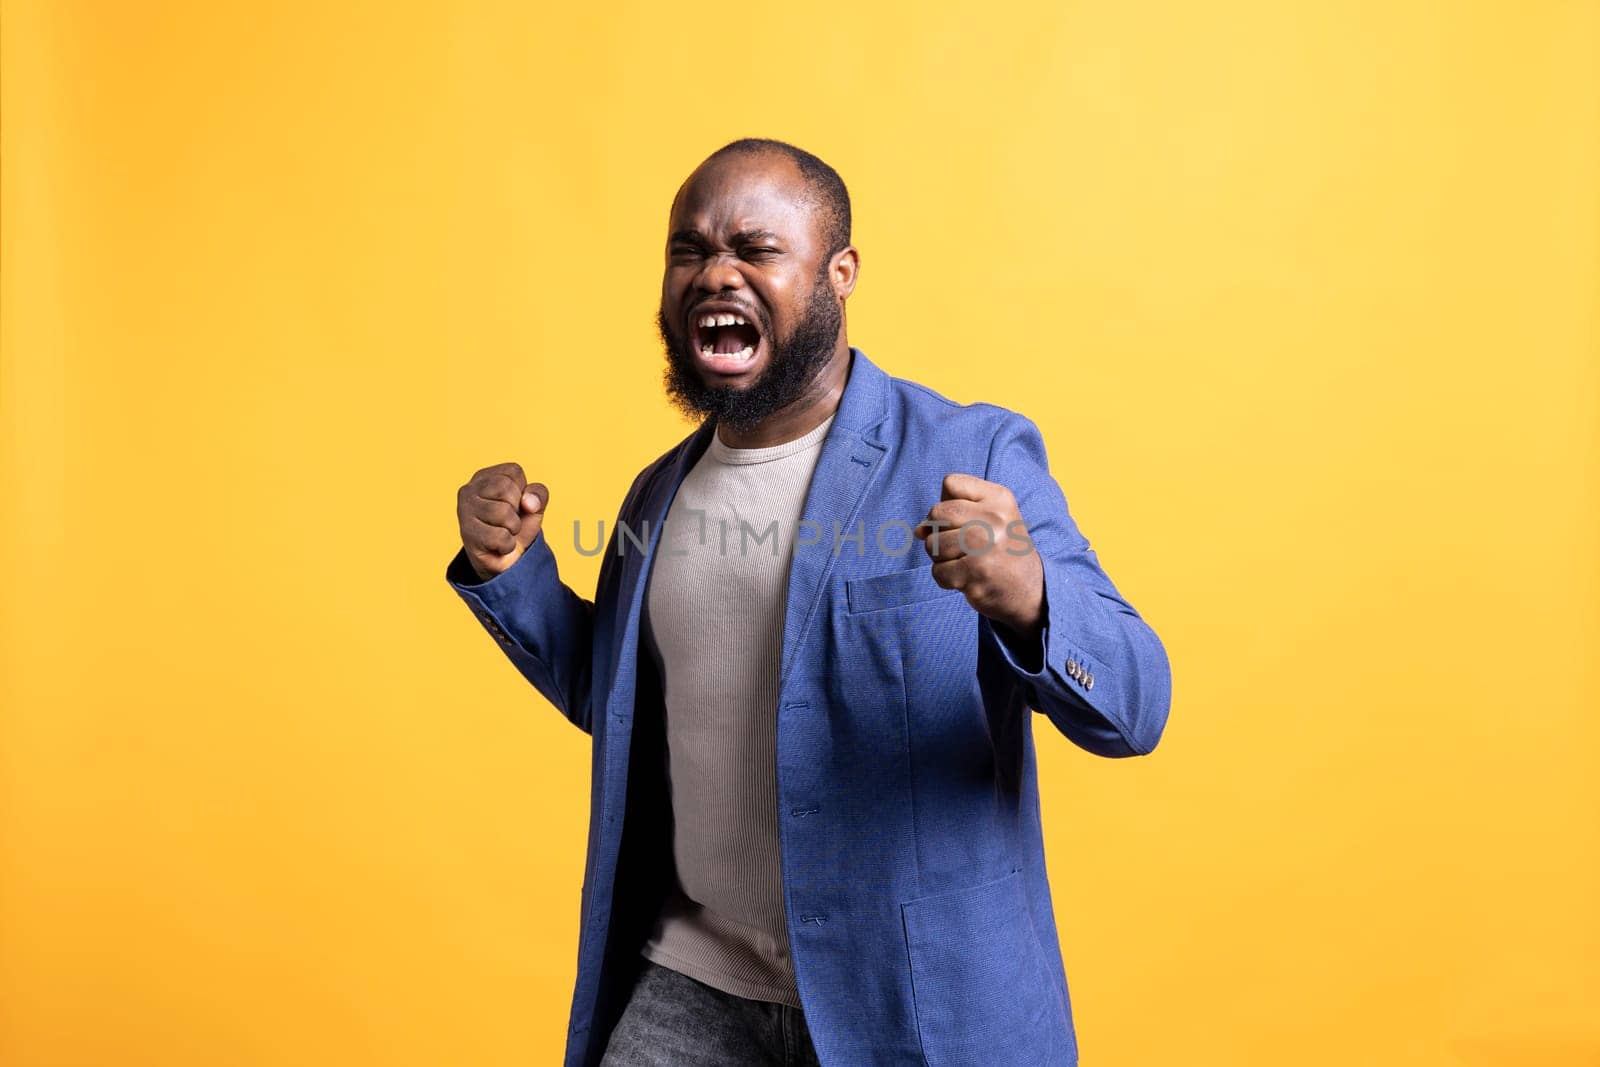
(713, 621)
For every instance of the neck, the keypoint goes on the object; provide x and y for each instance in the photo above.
(803, 415)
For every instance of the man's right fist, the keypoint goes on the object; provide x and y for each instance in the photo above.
(500, 515)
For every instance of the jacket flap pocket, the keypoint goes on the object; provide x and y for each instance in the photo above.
(894, 589)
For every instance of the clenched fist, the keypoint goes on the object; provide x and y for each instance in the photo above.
(500, 515)
(979, 544)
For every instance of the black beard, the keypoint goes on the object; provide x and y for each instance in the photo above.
(793, 364)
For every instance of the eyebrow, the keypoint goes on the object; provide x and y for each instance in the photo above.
(692, 236)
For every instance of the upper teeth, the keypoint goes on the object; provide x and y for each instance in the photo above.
(722, 319)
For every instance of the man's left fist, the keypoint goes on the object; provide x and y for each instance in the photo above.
(979, 544)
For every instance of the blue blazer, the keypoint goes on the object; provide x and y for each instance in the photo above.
(919, 914)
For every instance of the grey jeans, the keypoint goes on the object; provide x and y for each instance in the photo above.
(672, 1020)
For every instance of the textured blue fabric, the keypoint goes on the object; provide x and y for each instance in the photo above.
(919, 912)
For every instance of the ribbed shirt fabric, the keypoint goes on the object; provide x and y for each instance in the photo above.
(713, 622)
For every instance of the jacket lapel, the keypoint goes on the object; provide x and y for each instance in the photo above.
(646, 526)
(851, 456)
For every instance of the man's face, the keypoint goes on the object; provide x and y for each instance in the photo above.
(743, 244)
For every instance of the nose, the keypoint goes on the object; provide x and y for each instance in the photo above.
(719, 274)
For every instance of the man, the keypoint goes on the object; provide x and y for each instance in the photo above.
(821, 622)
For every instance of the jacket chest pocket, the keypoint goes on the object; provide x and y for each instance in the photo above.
(978, 983)
(907, 616)
(881, 592)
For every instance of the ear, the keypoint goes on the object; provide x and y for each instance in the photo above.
(844, 269)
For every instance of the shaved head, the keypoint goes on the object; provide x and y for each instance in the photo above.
(826, 194)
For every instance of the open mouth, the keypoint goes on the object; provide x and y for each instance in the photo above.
(727, 342)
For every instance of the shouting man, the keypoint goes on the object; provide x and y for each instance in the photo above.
(821, 622)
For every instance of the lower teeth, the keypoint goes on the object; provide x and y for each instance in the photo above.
(744, 353)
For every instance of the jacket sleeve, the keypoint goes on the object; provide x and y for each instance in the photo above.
(1097, 669)
(545, 628)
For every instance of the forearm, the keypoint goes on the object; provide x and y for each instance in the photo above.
(542, 626)
(1095, 667)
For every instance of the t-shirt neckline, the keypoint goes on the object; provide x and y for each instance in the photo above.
(810, 439)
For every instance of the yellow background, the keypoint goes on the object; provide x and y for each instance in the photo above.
(1303, 296)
